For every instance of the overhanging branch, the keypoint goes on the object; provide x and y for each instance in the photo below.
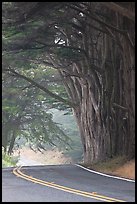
(55, 96)
(117, 8)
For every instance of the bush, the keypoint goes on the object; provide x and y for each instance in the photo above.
(8, 161)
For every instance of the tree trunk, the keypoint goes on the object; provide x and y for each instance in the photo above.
(12, 142)
(93, 134)
(129, 92)
(106, 119)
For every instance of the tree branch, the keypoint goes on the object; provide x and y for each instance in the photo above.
(42, 88)
(119, 106)
(97, 19)
(123, 11)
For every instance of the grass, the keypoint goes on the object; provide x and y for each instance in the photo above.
(117, 166)
(8, 161)
(110, 164)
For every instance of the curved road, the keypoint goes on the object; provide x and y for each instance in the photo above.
(63, 183)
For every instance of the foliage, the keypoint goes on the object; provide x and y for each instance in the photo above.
(91, 45)
(8, 161)
(25, 115)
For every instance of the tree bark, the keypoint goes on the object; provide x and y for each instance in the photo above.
(12, 142)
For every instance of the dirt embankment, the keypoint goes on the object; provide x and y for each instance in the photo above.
(127, 170)
(45, 157)
(118, 166)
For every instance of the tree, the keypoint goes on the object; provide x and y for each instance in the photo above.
(91, 44)
(24, 115)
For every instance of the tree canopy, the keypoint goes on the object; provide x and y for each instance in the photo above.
(91, 45)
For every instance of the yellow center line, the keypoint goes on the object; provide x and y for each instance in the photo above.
(93, 195)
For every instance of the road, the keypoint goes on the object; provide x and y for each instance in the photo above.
(63, 183)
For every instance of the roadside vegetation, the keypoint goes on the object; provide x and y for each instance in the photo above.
(117, 166)
(8, 160)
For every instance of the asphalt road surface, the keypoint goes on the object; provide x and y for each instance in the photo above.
(63, 183)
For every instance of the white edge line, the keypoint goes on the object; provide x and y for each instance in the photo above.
(102, 174)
